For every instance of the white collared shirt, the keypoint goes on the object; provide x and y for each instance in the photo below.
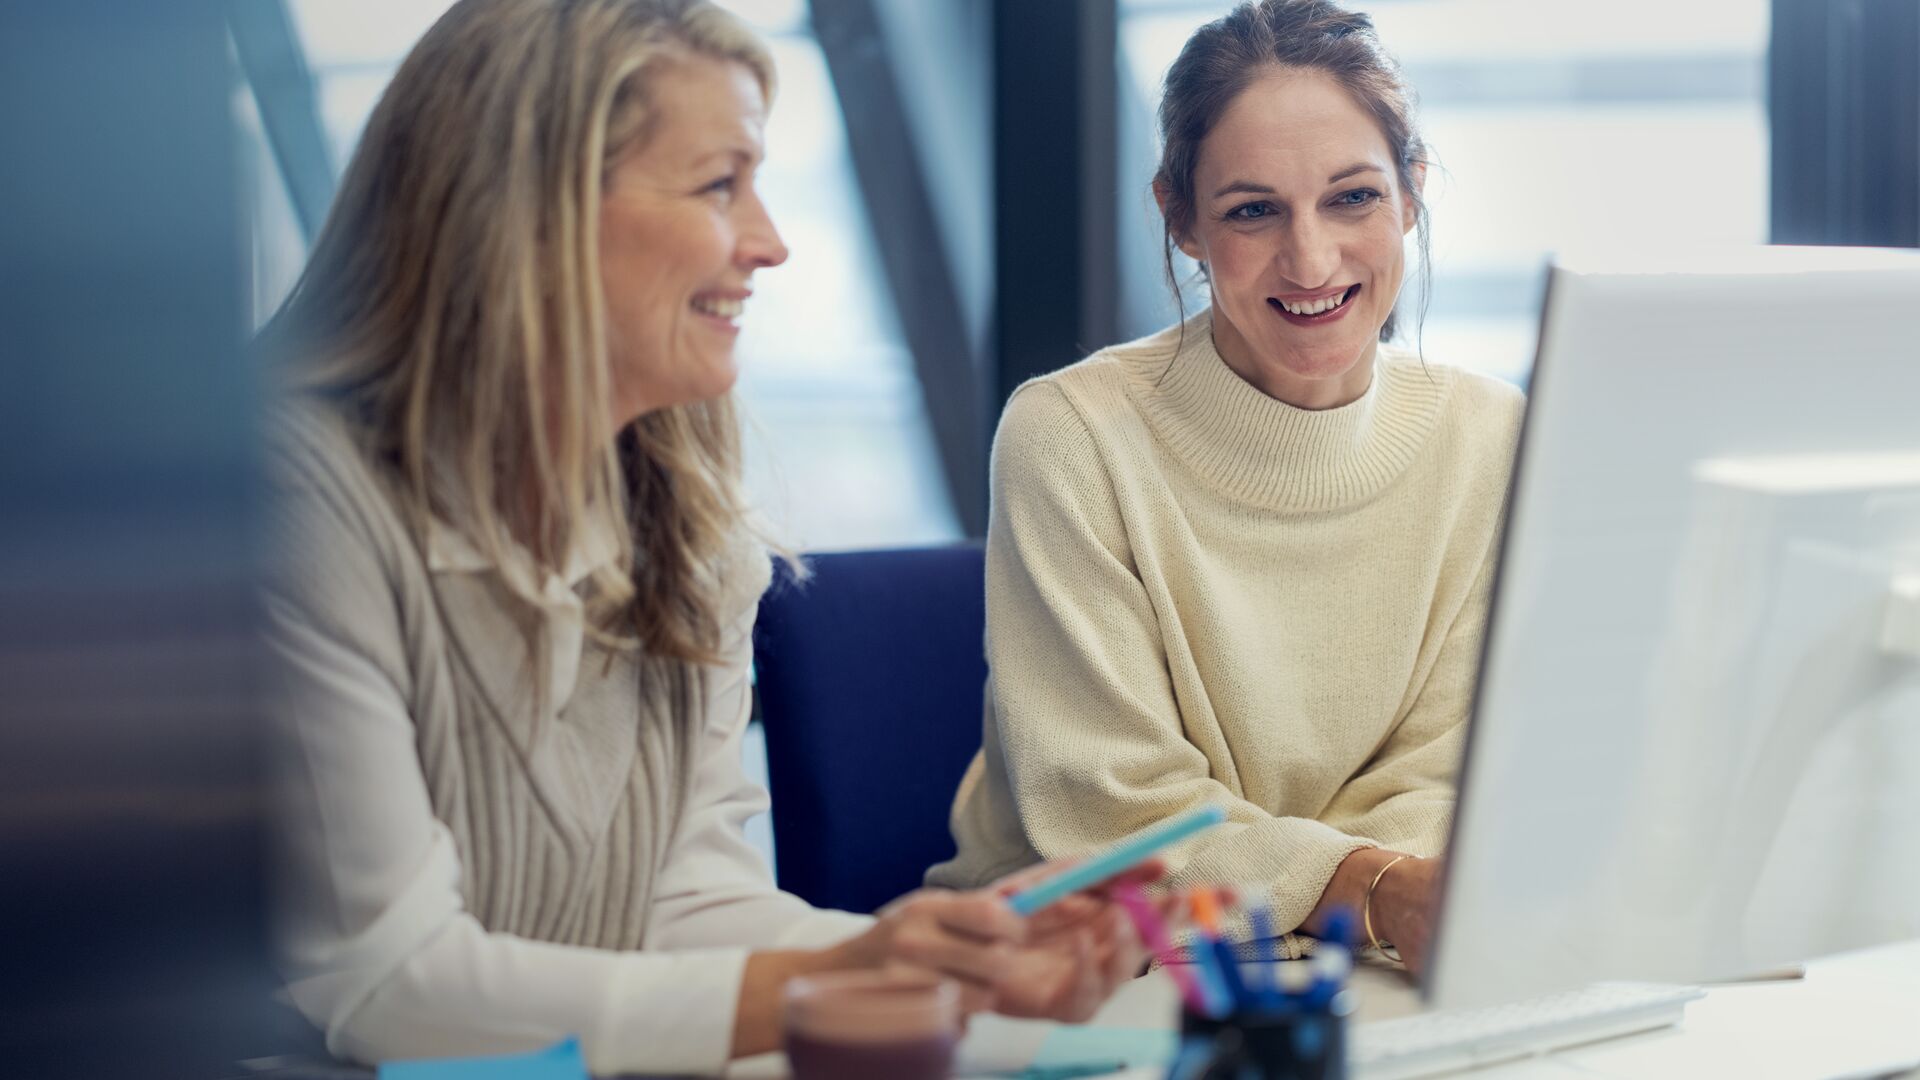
(450, 552)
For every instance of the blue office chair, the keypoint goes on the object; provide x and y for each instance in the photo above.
(870, 678)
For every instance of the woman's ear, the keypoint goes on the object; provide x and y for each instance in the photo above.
(1181, 239)
(1409, 210)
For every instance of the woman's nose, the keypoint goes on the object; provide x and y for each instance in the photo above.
(1310, 257)
(760, 243)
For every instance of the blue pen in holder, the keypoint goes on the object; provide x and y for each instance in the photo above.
(1296, 1032)
(1293, 1042)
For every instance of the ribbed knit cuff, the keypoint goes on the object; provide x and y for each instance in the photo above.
(1293, 858)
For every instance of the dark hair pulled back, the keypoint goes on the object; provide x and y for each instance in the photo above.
(1225, 56)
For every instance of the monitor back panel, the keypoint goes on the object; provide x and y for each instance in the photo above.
(1689, 757)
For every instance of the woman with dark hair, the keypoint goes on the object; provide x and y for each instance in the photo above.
(1247, 560)
(514, 622)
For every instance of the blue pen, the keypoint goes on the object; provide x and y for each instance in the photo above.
(1332, 960)
(1206, 912)
(1230, 974)
(1212, 955)
(1212, 981)
(1118, 859)
(1260, 920)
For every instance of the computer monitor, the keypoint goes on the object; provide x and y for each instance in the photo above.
(1695, 749)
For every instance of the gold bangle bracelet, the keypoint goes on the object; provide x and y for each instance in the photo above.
(1366, 912)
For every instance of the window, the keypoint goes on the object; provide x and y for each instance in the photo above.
(839, 451)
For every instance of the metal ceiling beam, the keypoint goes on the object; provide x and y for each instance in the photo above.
(913, 249)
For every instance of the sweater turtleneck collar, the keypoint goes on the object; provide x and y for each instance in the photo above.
(1259, 450)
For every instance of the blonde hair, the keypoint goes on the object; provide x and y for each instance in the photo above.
(452, 308)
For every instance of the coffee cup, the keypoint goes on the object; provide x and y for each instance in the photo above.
(871, 1025)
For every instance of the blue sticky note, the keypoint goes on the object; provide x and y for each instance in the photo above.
(1072, 1050)
(561, 1061)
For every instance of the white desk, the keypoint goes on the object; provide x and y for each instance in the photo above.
(1854, 1016)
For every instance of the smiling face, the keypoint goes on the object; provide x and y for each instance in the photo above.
(1299, 215)
(682, 230)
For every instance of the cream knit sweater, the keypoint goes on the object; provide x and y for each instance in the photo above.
(1196, 593)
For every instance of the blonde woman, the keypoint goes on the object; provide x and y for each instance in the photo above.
(514, 618)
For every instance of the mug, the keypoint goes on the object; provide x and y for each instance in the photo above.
(871, 1025)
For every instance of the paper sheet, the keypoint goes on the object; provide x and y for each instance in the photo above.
(1070, 1047)
(561, 1061)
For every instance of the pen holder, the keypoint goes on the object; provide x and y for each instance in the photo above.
(1285, 1043)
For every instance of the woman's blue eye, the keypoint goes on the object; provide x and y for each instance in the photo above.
(1250, 211)
(722, 186)
(1357, 197)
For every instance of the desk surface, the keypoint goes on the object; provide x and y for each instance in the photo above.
(1855, 1015)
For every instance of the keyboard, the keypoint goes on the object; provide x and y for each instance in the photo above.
(1431, 1043)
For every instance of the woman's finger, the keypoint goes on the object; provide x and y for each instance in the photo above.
(978, 914)
(1068, 912)
(926, 943)
(1070, 980)
(1125, 953)
(975, 998)
(1089, 978)
(1115, 946)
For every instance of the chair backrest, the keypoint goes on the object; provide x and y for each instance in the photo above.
(870, 679)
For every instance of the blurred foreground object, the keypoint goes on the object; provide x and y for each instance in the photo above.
(130, 804)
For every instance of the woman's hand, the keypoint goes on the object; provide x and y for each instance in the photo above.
(1402, 904)
(970, 937)
(1079, 950)
(1060, 964)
